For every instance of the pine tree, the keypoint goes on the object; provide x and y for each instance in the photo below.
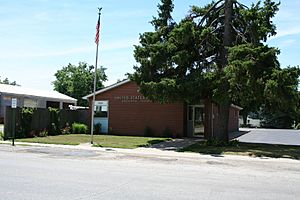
(217, 52)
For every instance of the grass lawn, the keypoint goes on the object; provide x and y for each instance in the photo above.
(248, 149)
(1, 131)
(99, 140)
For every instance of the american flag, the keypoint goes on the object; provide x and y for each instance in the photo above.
(97, 31)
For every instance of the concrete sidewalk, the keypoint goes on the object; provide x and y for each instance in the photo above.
(142, 152)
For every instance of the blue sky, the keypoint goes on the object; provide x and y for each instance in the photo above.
(39, 37)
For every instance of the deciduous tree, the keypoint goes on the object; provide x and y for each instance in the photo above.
(77, 81)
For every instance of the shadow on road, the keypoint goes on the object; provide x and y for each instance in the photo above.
(237, 134)
(247, 149)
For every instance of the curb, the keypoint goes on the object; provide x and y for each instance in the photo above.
(155, 153)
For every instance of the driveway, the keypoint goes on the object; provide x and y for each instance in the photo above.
(271, 136)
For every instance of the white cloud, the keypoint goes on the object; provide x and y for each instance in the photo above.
(287, 43)
(287, 32)
(107, 46)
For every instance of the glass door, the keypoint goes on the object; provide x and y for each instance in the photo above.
(199, 120)
(101, 117)
(195, 120)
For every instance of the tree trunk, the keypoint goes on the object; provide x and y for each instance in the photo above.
(222, 134)
(227, 36)
(245, 116)
(224, 104)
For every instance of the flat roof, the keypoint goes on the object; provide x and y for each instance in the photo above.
(18, 90)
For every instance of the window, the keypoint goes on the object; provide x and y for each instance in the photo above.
(30, 103)
(101, 109)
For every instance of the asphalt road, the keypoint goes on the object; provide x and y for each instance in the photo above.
(271, 136)
(55, 173)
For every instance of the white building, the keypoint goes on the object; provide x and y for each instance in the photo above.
(32, 98)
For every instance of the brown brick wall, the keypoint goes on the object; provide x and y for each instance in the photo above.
(130, 113)
(233, 123)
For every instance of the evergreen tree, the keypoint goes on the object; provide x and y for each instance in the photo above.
(217, 52)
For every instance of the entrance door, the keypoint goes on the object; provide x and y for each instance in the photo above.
(101, 116)
(195, 121)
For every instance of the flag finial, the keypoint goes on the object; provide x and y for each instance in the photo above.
(99, 9)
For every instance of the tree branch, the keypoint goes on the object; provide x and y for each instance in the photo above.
(239, 33)
(208, 12)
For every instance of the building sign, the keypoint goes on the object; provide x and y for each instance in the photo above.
(101, 103)
(132, 99)
(13, 103)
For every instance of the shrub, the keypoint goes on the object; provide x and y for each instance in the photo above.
(25, 125)
(32, 134)
(43, 133)
(78, 128)
(167, 133)
(1, 135)
(54, 122)
(66, 130)
(97, 128)
(298, 126)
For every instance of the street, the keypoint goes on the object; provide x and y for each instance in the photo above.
(60, 173)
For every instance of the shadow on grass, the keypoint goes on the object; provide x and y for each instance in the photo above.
(154, 141)
(247, 149)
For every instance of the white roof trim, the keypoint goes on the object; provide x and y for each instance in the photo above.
(107, 88)
(22, 91)
(237, 107)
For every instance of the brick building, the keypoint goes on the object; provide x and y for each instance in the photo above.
(122, 110)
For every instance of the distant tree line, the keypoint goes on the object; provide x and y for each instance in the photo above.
(8, 82)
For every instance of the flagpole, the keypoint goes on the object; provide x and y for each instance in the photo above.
(95, 80)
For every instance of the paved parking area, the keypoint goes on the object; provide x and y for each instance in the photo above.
(271, 136)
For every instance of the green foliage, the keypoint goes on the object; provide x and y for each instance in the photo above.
(1, 135)
(66, 130)
(54, 121)
(282, 100)
(78, 81)
(164, 14)
(78, 128)
(298, 126)
(8, 82)
(97, 128)
(25, 124)
(43, 133)
(198, 58)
